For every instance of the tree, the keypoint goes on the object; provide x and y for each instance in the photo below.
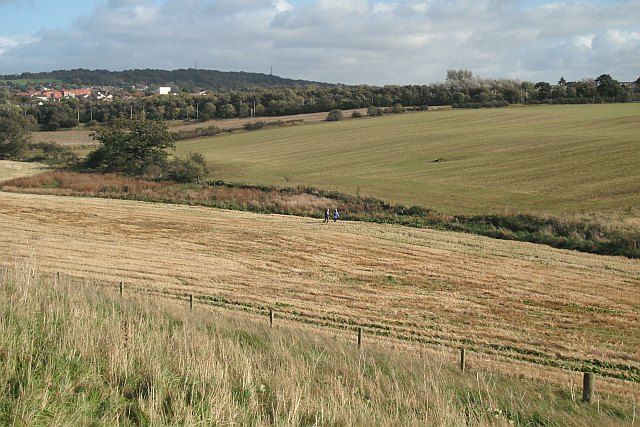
(334, 116)
(544, 90)
(608, 87)
(227, 111)
(207, 111)
(132, 147)
(459, 75)
(15, 133)
(457, 98)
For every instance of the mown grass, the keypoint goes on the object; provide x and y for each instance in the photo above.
(543, 159)
(74, 355)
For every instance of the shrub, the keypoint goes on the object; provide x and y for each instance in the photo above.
(356, 115)
(375, 111)
(334, 115)
(396, 109)
(191, 168)
(196, 132)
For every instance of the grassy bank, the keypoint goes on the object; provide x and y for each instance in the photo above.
(74, 355)
(584, 236)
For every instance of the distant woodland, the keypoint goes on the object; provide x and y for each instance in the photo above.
(250, 94)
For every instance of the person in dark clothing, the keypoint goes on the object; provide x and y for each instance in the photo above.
(326, 216)
(336, 215)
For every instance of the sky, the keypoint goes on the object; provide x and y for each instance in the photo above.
(345, 41)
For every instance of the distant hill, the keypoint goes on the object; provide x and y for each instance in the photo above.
(183, 78)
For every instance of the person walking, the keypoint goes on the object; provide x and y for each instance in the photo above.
(326, 216)
(336, 215)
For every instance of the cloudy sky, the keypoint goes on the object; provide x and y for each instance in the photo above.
(348, 41)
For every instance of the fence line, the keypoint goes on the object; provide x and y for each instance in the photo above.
(320, 322)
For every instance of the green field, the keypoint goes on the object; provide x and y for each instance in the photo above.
(546, 159)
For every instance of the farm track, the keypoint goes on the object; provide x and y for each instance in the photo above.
(518, 300)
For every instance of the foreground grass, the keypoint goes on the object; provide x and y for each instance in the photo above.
(74, 355)
(547, 159)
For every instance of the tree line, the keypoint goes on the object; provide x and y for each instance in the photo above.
(461, 89)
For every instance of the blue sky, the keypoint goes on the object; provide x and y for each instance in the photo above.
(350, 41)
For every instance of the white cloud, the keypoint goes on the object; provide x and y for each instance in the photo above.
(351, 41)
(14, 42)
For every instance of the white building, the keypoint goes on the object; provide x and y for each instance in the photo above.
(163, 90)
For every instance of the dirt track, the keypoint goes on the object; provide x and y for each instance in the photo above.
(512, 298)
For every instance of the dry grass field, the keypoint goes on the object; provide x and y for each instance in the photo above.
(510, 299)
(10, 169)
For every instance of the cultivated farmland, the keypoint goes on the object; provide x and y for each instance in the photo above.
(521, 301)
(552, 159)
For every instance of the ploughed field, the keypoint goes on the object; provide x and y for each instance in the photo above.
(519, 300)
(540, 159)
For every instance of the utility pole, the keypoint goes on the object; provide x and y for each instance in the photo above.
(197, 111)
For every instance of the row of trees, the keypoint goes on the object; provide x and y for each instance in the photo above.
(460, 89)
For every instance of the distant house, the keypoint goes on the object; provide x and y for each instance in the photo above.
(77, 93)
(163, 90)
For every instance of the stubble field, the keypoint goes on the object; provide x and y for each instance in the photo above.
(517, 300)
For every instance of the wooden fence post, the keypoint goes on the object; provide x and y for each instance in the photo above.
(359, 336)
(121, 289)
(191, 302)
(587, 387)
(463, 362)
(271, 316)
(57, 282)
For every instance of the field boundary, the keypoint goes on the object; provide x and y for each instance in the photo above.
(627, 373)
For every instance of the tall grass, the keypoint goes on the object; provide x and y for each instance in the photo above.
(73, 355)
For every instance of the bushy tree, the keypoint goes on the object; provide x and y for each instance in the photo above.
(15, 133)
(227, 111)
(131, 147)
(608, 87)
(334, 115)
(375, 111)
(190, 168)
(396, 109)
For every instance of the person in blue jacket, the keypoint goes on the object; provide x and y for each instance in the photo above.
(336, 215)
